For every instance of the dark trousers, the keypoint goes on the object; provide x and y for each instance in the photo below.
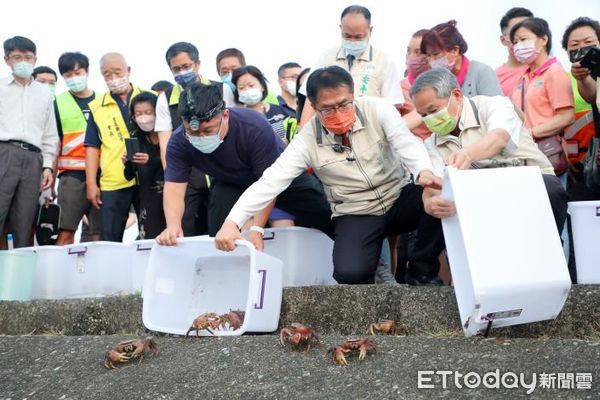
(114, 212)
(358, 238)
(304, 199)
(20, 178)
(195, 215)
(558, 200)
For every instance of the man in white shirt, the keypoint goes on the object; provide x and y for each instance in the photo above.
(28, 140)
(357, 147)
(373, 71)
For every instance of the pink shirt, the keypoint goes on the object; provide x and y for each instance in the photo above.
(509, 77)
(547, 90)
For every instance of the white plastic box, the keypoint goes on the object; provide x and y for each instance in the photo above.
(141, 257)
(93, 269)
(585, 221)
(192, 278)
(306, 255)
(504, 249)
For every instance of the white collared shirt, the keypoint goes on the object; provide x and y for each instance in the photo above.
(27, 115)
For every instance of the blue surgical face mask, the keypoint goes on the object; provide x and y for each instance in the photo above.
(251, 96)
(22, 69)
(186, 78)
(208, 143)
(226, 79)
(51, 88)
(77, 83)
(355, 47)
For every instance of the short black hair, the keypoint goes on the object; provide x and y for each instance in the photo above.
(42, 69)
(579, 23)
(18, 43)
(285, 66)
(231, 52)
(327, 78)
(515, 12)
(201, 101)
(71, 60)
(356, 9)
(161, 86)
(143, 97)
(182, 47)
(538, 26)
(255, 72)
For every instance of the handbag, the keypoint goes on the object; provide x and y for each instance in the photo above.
(551, 146)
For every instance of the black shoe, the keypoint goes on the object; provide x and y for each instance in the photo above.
(423, 280)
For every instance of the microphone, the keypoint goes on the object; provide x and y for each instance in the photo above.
(349, 158)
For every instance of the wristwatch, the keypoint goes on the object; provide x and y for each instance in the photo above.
(256, 228)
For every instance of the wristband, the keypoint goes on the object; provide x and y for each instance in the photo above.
(256, 228)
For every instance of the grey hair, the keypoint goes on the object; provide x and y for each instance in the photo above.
(442, 81)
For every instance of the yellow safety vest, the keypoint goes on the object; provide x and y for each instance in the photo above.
(112, 130)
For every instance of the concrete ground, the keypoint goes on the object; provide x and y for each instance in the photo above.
(55, 350)
(256, 367)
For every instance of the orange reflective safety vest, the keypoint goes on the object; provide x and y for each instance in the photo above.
(74, 124)
(578, 135)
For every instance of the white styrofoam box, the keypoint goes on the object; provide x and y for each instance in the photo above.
(585, 221)
(192, 278)
(141, 256)
(306, 255)
(93, 269)
(504, 249)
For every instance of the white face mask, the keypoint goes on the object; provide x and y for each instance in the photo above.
(146, 122)
(290, 87)
(118, 85)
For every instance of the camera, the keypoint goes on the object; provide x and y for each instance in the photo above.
(588, 57)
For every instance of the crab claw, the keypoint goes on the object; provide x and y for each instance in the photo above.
(362, 354)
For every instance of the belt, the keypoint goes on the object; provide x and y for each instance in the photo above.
(23, 145)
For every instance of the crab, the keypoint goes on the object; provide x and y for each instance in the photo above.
(205, 321)
(297, 334)
(363, 346)
(235, 319)
(129, 349)
(387, 326)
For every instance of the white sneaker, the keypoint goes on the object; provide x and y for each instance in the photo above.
(383, 274)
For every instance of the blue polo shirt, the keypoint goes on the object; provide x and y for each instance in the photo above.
(249, 148)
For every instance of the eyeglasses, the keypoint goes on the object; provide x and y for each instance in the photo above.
(184, 67)
(342, 107)
(18, 58)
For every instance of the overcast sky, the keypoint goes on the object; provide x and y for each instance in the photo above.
(268, 32)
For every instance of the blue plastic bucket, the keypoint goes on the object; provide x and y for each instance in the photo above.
(16, 275)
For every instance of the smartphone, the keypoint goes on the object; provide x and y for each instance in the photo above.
(132, 145)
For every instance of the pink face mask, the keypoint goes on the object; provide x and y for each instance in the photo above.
(441, 62)
(416, 65)
(525, 51)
